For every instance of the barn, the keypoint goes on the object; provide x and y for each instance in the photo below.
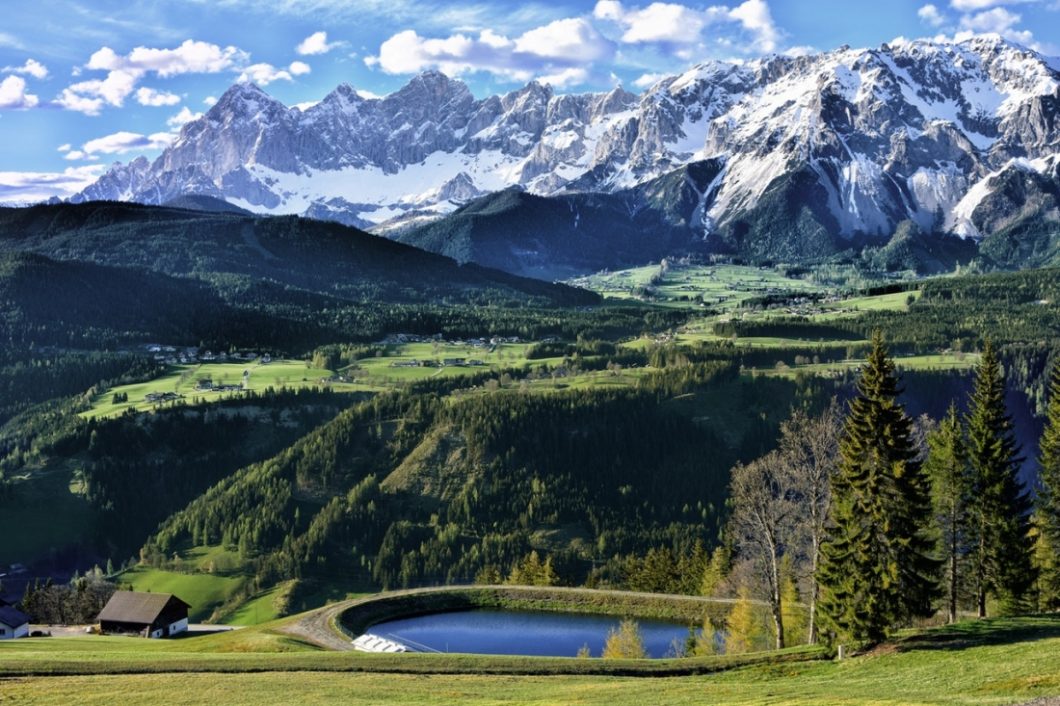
(13, 623)
(144, 614)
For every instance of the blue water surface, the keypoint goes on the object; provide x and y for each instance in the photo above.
(502, 632)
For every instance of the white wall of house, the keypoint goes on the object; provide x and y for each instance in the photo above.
(8, 632)
(179, 626)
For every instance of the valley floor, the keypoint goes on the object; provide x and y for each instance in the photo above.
(986, 662)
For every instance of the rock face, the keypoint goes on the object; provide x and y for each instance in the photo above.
(846, 144)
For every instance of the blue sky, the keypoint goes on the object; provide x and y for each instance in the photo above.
(84, 83)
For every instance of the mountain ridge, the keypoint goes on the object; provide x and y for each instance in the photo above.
(863, 138)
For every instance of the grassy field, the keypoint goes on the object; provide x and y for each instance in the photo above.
(942, 361)
(183, 380)
(989, 662)
(720, 287)
(204, 592)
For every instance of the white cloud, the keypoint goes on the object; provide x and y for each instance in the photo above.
(13, 95)
(550, 50)
(182, 118)
(155, 99)
(38, 186)
(658, 22)
(316, 43)
(647, 80)
(264, 74)
(89, 97)
(122, 142)
(572, 39)
(299, 68)
(997, 20)
(930, 15)
(65, 147)
(664, 23)
(123, 72)
(32, 68)
(755, 16)
(11, 41)
(191, 57)
(368, 95)
(209, 100)
(566, 77)
(77, 155)
(973, 5)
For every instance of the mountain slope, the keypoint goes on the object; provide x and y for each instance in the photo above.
(264, 256)
(844, 144)
(569, 234)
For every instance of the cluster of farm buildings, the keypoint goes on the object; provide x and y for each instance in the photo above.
(126, 613)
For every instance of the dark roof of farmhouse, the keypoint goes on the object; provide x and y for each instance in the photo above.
(12, 618)
(136, 607)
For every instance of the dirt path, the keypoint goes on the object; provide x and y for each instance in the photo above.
(320, 626)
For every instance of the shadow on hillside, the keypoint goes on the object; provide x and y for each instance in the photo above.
(977, 633)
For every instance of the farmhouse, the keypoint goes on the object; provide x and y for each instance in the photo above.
(144, 614)
(13, 623)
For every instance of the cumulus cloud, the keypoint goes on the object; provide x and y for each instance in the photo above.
(13, 95)
(182, 118)
(264, 74)
(755, 16)
(65, 147)
(124, 141)
(566, 77)
(550, 50)
(299, 68)
(929, 14)
(648, 80)
(123, 72)
(998, 20)
(209, 100)
(316, 43)
(190, 57)
(155, 99)
(38, 186)
(32, 68)
(678, 24)
(973, 5)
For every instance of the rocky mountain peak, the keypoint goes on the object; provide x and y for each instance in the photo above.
(874, 136)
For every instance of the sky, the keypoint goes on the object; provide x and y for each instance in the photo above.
(85, 83)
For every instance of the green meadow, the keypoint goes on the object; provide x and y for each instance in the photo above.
(998, 661)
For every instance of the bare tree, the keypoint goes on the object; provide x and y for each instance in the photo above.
(810, 449)
(762, 523)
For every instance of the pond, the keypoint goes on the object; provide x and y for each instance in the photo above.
(503, 632)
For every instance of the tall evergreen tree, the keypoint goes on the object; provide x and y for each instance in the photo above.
(951, 494)
(1000, 509)
(877, 566)
(1049, 492)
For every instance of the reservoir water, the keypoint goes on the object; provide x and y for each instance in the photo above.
(502, 632)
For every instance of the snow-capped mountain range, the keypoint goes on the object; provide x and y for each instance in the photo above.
(917, 130)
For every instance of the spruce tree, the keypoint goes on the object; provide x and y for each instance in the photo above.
(877, 567)
(1049, 491)
(951, 492)
(1000, 509)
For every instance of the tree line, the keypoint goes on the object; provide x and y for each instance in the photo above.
(880, 520)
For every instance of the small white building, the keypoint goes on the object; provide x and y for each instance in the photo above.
(13, 623)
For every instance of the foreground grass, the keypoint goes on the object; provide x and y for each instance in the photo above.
(987, 662)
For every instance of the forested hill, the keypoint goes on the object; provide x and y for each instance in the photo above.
(237, 250)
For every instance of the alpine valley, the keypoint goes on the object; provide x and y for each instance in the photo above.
(742, 389)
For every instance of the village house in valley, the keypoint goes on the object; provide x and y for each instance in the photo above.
(144, 614)
(13, 623)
